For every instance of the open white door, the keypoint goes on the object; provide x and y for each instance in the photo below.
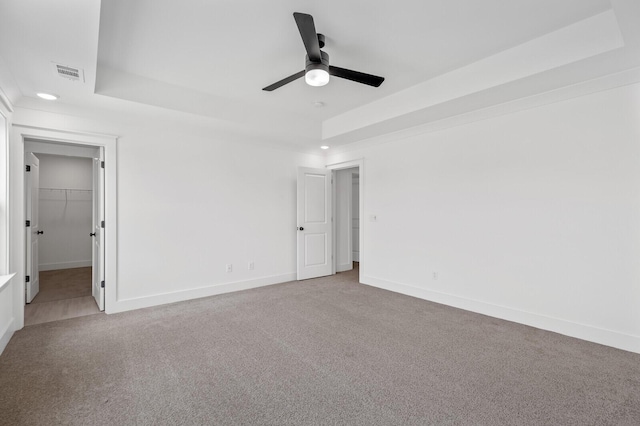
(32, 195)
(97, 262)
(315, 245)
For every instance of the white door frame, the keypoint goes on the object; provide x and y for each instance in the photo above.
(359, 163)
(22, 133)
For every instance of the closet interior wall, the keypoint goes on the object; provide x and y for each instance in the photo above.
(65, 212)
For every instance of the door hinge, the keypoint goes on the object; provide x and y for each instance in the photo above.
(28, 168)
(101, 284)
(102, 224)
(28, 223)
(27, 278)
(102, 164)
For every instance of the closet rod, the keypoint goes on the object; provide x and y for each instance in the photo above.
(67, 189)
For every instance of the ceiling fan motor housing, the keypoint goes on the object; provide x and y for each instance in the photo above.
(323, 64)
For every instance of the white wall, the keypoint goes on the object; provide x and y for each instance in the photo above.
(5, 124)
(66, 211)
(7, 288)
(532, 216)
(190, 200)
(7, 315)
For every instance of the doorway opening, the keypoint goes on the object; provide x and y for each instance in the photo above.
(348, 230)
(64, 259)
(346, 216)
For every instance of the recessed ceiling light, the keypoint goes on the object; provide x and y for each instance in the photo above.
(47, 96)
(324, 147)
(318, 104)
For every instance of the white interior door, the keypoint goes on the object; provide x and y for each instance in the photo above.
(314, 223)
(97, 262)
(32, 195)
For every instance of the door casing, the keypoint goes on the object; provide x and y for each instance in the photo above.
(20, 135)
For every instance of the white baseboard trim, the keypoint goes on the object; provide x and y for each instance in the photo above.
(196, 293)
(344, 267)
(64, 265)
(602, 336)
(6, 335)
(356, 256)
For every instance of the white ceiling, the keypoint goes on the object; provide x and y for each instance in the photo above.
(211, 58)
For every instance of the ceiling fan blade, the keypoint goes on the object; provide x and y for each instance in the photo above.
(359, 77)
(309, 35)
(284, 81)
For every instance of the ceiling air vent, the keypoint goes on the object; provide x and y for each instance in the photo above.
(75, 74)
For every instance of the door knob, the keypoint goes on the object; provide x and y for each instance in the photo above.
(93, 234)
(300, 228)
(40, 232)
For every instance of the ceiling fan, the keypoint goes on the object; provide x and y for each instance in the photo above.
(317, 68)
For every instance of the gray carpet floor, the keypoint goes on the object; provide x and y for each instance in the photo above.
(326, 351)
(64, 284)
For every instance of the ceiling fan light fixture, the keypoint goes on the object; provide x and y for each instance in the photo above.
(316, 76)
(317, 73)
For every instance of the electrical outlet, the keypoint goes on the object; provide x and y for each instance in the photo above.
(229, 267)
(435, 275)
(251, 266)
